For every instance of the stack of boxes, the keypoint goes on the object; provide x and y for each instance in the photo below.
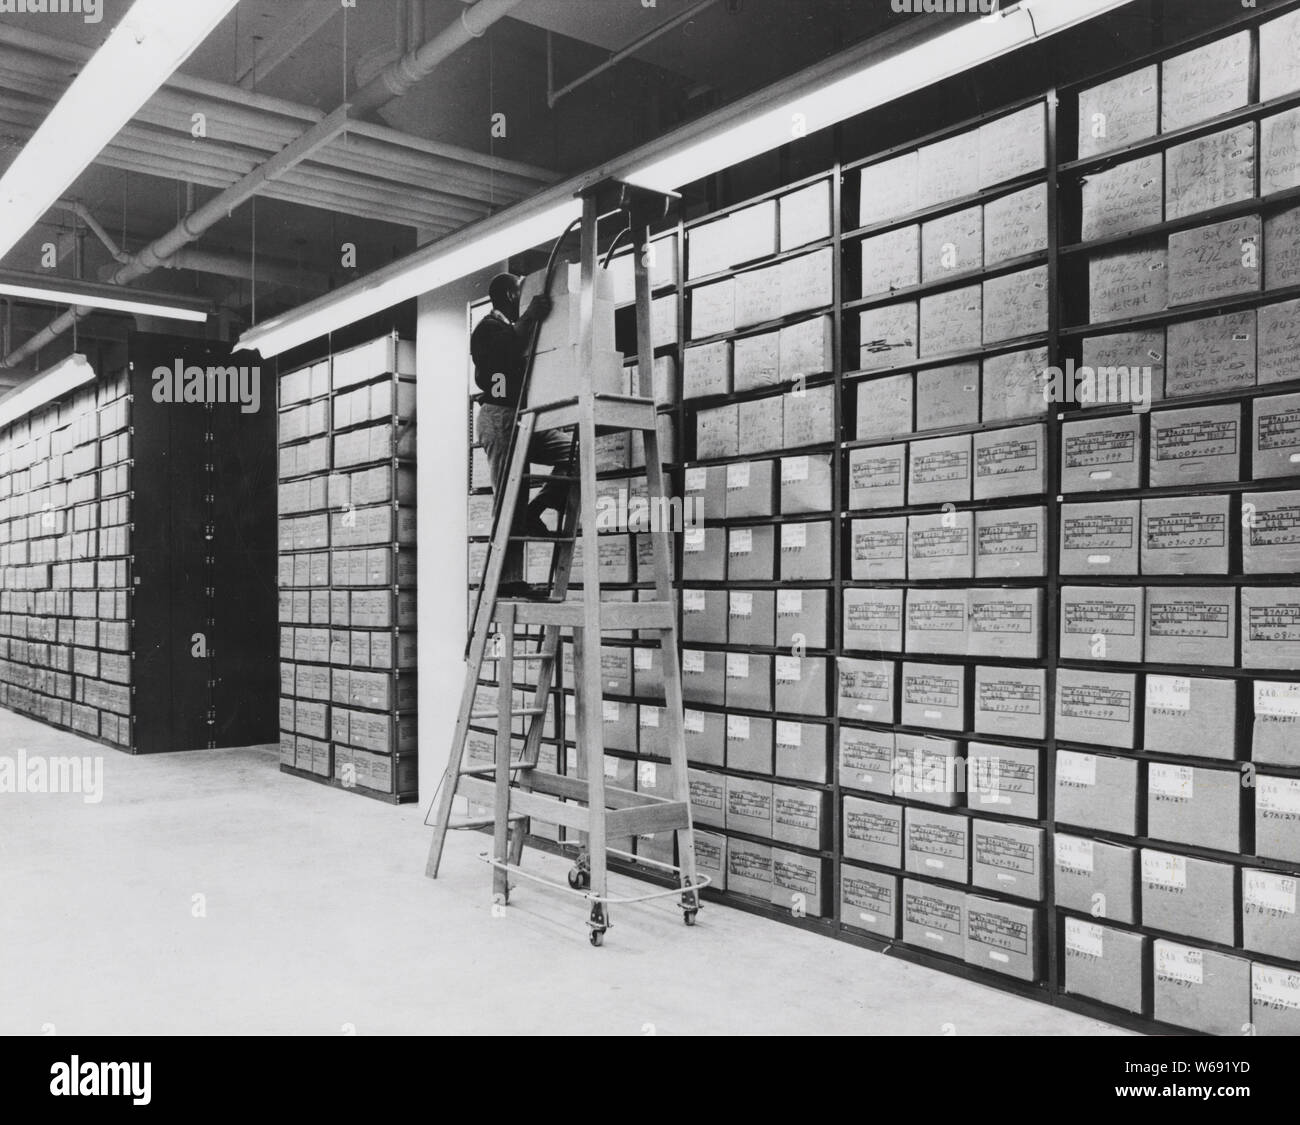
(347, 570)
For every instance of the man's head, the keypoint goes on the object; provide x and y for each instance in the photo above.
(504, 292)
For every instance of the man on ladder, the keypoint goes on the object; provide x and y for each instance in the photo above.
(499, 348)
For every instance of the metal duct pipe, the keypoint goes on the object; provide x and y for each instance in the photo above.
(394, 81)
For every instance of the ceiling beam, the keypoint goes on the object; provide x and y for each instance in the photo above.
(303, 23)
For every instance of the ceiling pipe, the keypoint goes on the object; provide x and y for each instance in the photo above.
(394, 81)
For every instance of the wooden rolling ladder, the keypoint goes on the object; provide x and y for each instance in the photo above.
(515, 788)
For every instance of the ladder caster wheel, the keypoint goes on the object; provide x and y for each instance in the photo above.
(689, 917)
(597, 938)
(579, 878)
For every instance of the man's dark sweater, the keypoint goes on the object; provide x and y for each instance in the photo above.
(499, 351)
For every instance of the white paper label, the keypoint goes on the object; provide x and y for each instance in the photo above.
(1268, 890)
(611, 710)
(737, 665)
(646, 774)
(1179, 962)
(741, 541)
(693, 544)
(692, 601)
(794, 469)
(738, 727)
(789, 734)
(794, 536)
(1275, 987)
(649, 716)
(738, 476)
(1278, 795)
(1076, 769)
(1084, 937)
(694, 722)
(1277, 700)
(692, 661)
(742, 604)
(789, 601)
(1164, 869)
(1169, 693)
(696, 480)
(568, 705)
(611, 767)
(642, 659)
(789, 669)
(1174, 782)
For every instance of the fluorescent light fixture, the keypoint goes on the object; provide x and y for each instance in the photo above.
(112, 298)
(139, 55)
(860, 79)
(65, 376)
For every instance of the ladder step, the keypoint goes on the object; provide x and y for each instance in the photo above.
(460, 824)
(481, 716)
(613, 615)
(548, 478)
(489, 771)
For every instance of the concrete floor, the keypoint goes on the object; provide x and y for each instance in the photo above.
(316, 918)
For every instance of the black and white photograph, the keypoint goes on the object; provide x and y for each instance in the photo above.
(648, 518)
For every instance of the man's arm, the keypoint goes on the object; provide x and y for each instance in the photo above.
(539, 308)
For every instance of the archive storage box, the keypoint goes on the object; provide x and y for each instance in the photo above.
(348, 570)
(137, 553)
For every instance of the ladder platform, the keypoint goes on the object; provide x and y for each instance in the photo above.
(467, 823)
(613, 615)
(612, 413)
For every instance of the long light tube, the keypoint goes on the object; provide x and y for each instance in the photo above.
(109, 298)
(139, 55)
(65, 376)
(804, 103)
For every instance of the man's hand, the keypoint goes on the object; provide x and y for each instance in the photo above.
(539, 308)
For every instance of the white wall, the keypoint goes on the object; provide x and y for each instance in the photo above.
(442, 369)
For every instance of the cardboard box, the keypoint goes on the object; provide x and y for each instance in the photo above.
(800, 816)
(704, 616)
(1278, 343)
(939, 470)
(801, 750)
(1009, 543)
(1191, 716)
(865, 761)
(749, 868)
(933, 695)
(869, 901)
(877, 477)
(1123, 198)
(1205, 82)
(806, 551)
(890, 261)
(806, 348)
(1188, 896)
(805, 215)
(934, 917)
(808, 417)
(1269, 923)
(950, 244)
(948, 169)
(749, 743)
(1013, 145)
(749, 806)
(948, 396)
(1219, 260)
(806, 484)
(1282, 249)
(1127, 283)
(1100, 538)
(1210, 171)
(873, 832)
(1008, 858)
(1185, 535)
(800, 883)
(1201, 989)
(1095, 876)
(1002, 937)
(1213, 354)
(1277, 817)
(758, 296)
(1105, 964)
(937, 844)
(750, 554)
(704, 557)
(1015, 305)
(1096, 707)
(802, 615)
(884, 407)
(1270, 627)
(749, 682)
(711, 858)
(1097, 791)
(750, 489)
(1102, 623)
(939, 546)
(707, 370)
(1127, 368)
(801, 684)
(1015, 225)
(704, 737)
(1012, 385)
(1275, 437)
(1010, 701)
(1279, 56)
(1274, 1000)
(807, 281)
(757, 361)
(1006, 623)
(1194, 805)
(761, 423)
(950, 321)
(888, 189)
(1270, 541)
(1100, 454)
(713, 309)
(1116, 113)
(751, 617)
(866, 690)
(873, 620)
(1191, 625)
(887, 336)
(703, 677)
(1276, 737)
(1010, 462)
(929, 770)
(937, 622)
(718, 432)
(706, 488)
